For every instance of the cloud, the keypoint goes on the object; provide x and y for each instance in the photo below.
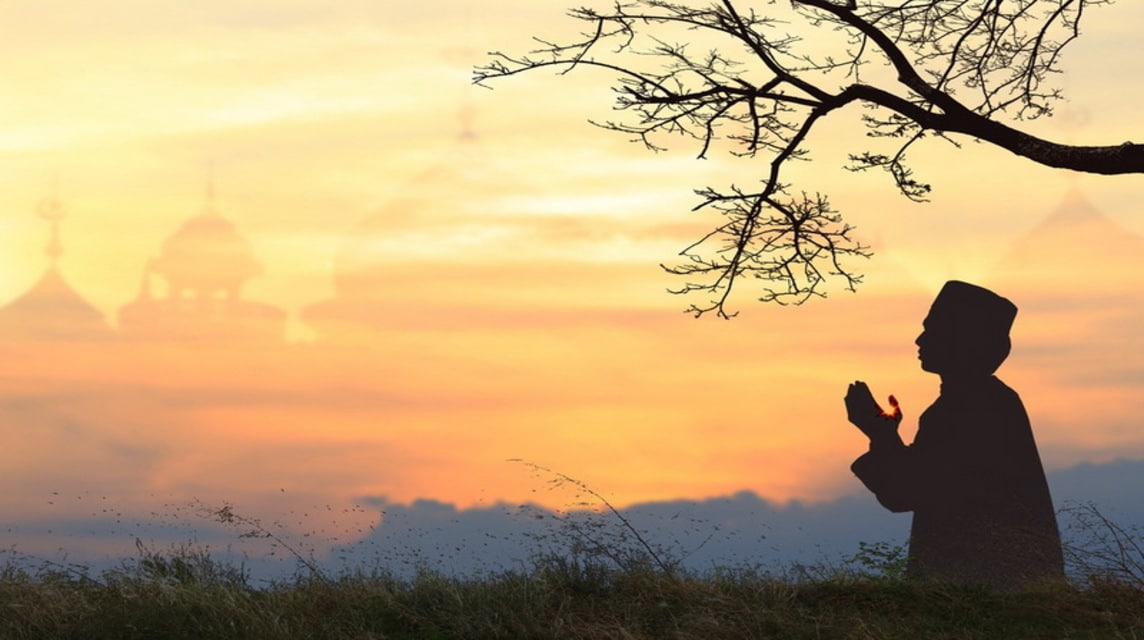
(741, 529)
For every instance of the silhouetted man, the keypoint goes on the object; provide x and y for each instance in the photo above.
(972, 477)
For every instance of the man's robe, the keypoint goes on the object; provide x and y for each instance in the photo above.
(974, 480)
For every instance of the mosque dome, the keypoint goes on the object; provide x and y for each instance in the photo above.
(1074, 278)
(206, 254)
(204, 265)
(1076, 252)
(52, 310)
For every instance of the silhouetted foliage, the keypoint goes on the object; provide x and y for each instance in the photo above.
(760, 77)
(1102, 550)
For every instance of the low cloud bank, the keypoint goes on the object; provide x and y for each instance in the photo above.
(736, 531)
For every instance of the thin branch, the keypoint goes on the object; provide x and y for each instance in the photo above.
(959, 65)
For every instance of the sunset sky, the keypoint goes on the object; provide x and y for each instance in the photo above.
(516, 308)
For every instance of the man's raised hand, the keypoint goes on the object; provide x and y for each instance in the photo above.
(865, 413)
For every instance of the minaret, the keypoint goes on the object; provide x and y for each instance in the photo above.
(51, 310)
(52, 210)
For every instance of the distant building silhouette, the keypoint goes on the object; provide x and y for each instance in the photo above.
(1052, 263)
(1077, 273)
(204, 266)
(51, 310)
(373, 289)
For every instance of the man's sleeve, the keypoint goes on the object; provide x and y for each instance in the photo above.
(891, 474)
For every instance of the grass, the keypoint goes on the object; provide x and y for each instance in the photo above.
(185, 594)
(605, 582)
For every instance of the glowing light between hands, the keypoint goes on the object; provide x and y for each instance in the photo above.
(896, 412)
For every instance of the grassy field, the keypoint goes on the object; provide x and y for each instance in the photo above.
(188, 595)
(605, 581)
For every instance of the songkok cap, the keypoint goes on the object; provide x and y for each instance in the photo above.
(974, 308)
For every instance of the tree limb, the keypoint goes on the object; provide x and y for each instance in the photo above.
(959, 67)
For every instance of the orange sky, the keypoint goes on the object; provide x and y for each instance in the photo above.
(516, 306)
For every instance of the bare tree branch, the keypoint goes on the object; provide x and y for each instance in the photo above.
(959, 68)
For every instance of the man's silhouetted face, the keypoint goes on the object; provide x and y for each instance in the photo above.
(940, 348)
(949, 347)
(966, 333)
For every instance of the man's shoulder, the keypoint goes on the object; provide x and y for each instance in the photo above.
(1004, 401)
(999, 388)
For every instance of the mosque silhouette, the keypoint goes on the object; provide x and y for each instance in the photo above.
(191, 292)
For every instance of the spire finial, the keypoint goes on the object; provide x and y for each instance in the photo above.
(52, 210)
